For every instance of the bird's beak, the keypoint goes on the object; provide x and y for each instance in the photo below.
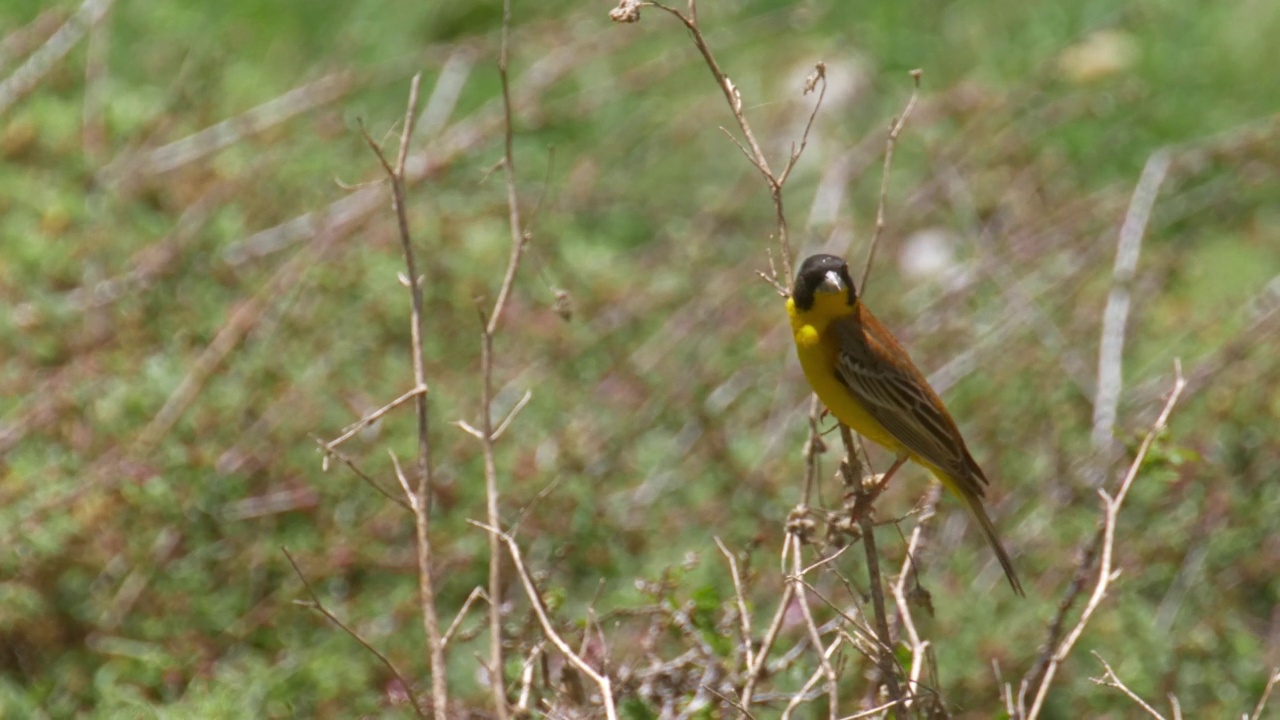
(831, 283)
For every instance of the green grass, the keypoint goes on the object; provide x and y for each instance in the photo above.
(669, 409)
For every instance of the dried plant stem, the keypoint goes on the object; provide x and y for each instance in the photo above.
(862, 506)
(540, 610)
(318, 606)
(744, 617)
(420, 497)
(477, 593)
(497, 682)
(770, 637)
(813, 447)
(354, 428)
(346, 460)
(1107, 390)
(1266, 695)
(884, 654)
(815, 637)
(1110, 679)
(752, 150)
(919, 647)
(1111, 511)
(894, 130)
(489, 327)
(818, 674)
(509, 172)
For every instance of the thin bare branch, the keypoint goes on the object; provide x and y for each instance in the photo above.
(752, 150)
(420, 497)
(888, 666)
(803, 694)
(919, 647)
(509, 172)
(770, 637)
(1110, 679)
(816, 80)
(319, 607)
(1266, 695)
(526, 676)
(469, 429)
(477, 593)
(488, 327)
(871, 712)
(548, 629)
(744, 617)
(524, 400)
(346, 460)
(863, 499)
(354, 428)
(730, 701)
(894, 130)
(1111, 510)
(833, 686)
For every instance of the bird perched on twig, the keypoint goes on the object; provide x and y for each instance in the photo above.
(867, 380)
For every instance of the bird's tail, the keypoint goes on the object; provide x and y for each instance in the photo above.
(975, 504)
(968, 487)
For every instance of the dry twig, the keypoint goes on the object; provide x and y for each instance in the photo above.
(744, 617)
(1266, 695)
(894, 130)
(1110, 679)
(420, 495)
(540, 610)
(629, 12)
(1107, 389)
(863, 499)
(815, 637)
(1111, 511)
(319, 607)
(919, 648)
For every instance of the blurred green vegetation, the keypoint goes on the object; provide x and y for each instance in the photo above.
(142, 574)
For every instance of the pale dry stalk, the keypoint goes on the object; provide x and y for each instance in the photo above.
(1111, 510)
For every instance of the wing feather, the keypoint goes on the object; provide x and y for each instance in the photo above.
(899, 398)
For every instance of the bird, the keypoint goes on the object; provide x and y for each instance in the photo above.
(867, 380)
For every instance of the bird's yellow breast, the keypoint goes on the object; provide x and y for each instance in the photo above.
(819, 353)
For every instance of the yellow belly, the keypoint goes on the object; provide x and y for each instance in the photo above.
(818, 360)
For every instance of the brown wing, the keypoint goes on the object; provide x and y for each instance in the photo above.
(880, 374)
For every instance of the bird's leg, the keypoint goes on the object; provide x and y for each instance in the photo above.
(884, 479)
(871, 488)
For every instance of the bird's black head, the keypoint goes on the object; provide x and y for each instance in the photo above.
(822, 274)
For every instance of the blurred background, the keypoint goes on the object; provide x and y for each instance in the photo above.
(198, 278)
